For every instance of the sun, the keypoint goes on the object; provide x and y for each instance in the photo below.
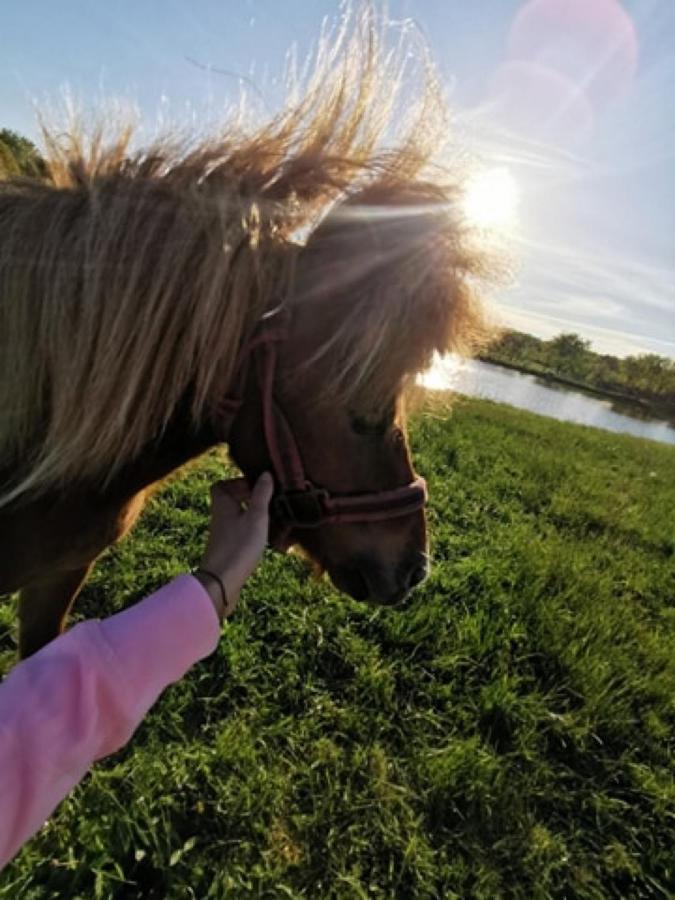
(491, 199)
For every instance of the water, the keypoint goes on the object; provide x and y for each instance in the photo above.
(478, 379)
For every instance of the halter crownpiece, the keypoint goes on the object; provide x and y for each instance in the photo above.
(298, 502)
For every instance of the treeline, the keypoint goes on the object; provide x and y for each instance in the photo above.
(647, 377)
(19, 156)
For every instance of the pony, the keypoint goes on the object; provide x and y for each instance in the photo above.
(136, 285)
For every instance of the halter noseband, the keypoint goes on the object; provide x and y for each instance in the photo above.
(298, 502)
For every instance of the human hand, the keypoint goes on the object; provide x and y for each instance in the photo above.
(237, 537)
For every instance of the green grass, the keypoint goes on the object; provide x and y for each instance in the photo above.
(510, 734)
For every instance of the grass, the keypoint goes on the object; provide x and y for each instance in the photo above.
(510, 734)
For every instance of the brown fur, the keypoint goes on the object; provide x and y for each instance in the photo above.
(129, 280)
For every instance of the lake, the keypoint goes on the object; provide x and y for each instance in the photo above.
(479, 379)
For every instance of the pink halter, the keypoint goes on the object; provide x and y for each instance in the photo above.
(298, 502)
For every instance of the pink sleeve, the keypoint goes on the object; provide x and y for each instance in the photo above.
(84, 694)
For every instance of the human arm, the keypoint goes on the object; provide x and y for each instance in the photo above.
(84, 694)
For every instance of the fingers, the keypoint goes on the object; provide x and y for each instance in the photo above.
(262, 494)
(237, 490)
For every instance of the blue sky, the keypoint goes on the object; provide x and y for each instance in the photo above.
(576, 98)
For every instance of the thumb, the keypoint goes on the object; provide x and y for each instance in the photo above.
(261, 494)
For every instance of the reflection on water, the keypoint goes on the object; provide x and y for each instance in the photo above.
(478, 379)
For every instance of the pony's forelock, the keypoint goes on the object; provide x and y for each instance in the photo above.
(410, 290)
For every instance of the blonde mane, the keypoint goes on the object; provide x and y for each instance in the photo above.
(129, 279)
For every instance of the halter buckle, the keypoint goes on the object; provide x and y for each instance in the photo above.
(300, 509)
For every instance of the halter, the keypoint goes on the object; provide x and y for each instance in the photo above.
(297, 501)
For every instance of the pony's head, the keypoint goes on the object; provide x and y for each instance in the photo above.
(378, 288)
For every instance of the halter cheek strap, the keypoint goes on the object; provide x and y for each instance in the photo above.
(298, 502)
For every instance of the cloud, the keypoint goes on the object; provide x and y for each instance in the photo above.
(624, 306)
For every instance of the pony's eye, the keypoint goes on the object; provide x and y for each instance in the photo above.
(375, 426)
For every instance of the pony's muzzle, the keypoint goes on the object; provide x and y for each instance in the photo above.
(379, 584)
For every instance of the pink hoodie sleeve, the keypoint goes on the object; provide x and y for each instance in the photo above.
(83, 695)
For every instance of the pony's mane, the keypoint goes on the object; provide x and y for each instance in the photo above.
(129, 279)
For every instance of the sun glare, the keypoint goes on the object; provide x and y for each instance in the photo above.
(442, 374)
(491, 199)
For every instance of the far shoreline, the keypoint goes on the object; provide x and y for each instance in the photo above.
(657, 410)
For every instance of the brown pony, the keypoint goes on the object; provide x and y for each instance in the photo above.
(129, 282)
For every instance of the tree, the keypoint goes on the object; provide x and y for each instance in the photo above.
(19, 156)
(515, 346)
(8, 164)
(650, 373)
(569, 353)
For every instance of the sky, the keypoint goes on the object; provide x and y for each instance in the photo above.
(573, 99)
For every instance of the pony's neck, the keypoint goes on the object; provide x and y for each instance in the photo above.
(180, 442)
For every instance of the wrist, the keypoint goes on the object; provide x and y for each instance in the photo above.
(213, 588)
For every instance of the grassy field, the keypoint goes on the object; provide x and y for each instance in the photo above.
(510, 734)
